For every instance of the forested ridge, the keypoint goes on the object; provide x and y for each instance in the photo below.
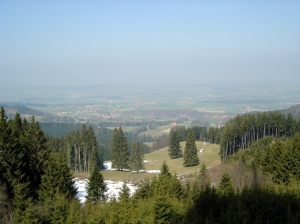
(242, 130)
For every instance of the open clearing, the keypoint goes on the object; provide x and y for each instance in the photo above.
(155, 159)
(209, 156)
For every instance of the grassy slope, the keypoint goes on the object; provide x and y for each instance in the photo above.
(209, 156)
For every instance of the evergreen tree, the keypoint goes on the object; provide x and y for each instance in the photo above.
(124, 194)
(38, 152)
(96, 187)
(119, 150)
(226, 185)
(164, 170)
(14, 155)
(57, 179)
(278, 162)
(203, 176)
(293, 156)
(190, 157)
(163, 212)
(174, 149)
(136, 159)
(23, 205)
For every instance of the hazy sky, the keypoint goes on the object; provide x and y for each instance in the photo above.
(47, 43)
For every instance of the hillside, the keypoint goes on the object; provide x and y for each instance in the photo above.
(293, 110)
(25, 111)
(209, 155)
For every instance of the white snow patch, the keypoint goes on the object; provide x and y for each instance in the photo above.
(107, 165)
(114, 188)
(153, 171)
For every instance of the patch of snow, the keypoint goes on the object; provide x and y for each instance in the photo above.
(81, 189)
(107, 165)
(114, 188)
(153, 171)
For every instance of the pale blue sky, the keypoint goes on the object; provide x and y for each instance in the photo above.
(48, 43)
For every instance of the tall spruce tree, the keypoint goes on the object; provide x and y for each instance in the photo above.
(124, 194)
(38, 151)
(136, 159)
(14, 156)
(96, 187)
(57, 179)
(174, 149)
(119, 150)
(190, 156)
(226, 185)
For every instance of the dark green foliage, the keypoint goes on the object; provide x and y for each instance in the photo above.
(278, 164)
(124, 194)
(24, 150)
(241, 131)
(96, 187)
(190, 156)
(56, 208)
(249, 206)
(136, 159)
(23, 206)
(181, 131)
(174, 149)
(57, 179)
(293, 156)
(54, 129)
(226, 187)
(203, 177)
(75, 213)
(81, 149)
(163, 211)
(119, 150)
(164, 170)
(39, 152)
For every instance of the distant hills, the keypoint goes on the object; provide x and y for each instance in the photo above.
(11, 109)
(293, 110)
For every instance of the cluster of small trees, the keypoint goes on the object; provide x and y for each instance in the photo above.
(190, 155)
(120, 156)
(241, 131)
(80, 148)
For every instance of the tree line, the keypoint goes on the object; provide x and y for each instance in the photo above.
(80, 148)
(124, 156)
(201, 133)
(241, 131)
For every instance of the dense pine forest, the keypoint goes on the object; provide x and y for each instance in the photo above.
(260, 184)
(243, 130)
